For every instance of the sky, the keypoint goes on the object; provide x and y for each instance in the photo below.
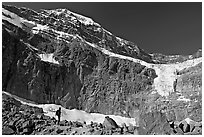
(167, 27)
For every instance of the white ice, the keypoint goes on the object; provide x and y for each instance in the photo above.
(77, 115)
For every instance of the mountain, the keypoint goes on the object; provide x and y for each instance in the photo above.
(63, 58)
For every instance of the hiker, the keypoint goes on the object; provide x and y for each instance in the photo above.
(58, 113)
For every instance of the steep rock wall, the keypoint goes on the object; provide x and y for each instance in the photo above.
(85, 79)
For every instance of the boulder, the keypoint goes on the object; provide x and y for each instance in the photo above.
(20, 121)
(63, 123)
(28, 124)
(77, 124)
(171, 124)
(178, 131)
(38, 110)
(39, 122)
(187, 125)
(97, 132)
(39, 127)
(131, 128)
(91, 130)
(7, 131)
(108, 132)
(52, 122)
(11, 123)
(197, 131)
(109, 123)
(154, 123)
(40, 116)
(198, 124)
(45, 117)
(27, 131)
(136, 132)
(116, 133)
(74, 132)
(59, 130)
(95, 124)
(33, 116)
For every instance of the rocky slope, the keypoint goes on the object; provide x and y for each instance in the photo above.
(167, 59)
(57, 56)
(22, 119)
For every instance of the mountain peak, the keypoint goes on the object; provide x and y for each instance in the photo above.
(67, 25)
(65, 13)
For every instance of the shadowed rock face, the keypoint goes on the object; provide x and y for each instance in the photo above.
(56, 64)
(85, 78)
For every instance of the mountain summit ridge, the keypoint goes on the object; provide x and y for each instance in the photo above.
(93, 32)
(65, 16)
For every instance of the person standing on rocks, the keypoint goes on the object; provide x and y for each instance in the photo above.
(58, 113)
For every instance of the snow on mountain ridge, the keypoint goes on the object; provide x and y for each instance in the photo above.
(15, 19)
(81, 18)
(65, 16)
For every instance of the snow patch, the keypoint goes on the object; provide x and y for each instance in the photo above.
(60, 34)
(83, 19)
(15, 19)
(48, 58)
(107, 52)
(39, 27)
(77, 115)
(107, 32)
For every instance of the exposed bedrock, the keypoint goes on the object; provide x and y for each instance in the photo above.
(85, 79)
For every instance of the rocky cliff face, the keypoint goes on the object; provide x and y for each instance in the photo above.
(57, 56)
(53, 65)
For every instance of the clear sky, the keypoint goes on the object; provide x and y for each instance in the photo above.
(168, 27)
